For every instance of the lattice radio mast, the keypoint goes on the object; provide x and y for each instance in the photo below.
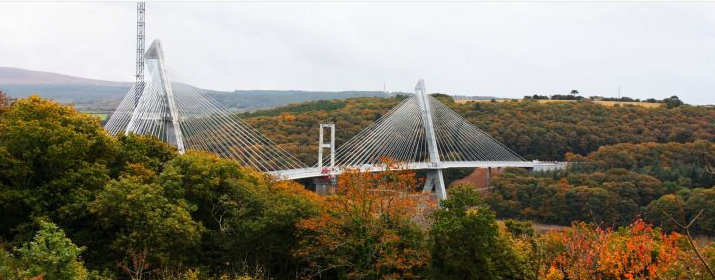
(139, 82)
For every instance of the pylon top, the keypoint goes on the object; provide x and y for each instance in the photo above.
(420, 87)
(155, 51)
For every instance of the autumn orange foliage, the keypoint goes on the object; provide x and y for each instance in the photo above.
(366, 230)
(638, 251)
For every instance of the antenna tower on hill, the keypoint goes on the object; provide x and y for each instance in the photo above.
(139, 79)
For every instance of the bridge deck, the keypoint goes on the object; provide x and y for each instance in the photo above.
(312, 172)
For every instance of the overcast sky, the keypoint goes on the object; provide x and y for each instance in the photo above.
(501, 49)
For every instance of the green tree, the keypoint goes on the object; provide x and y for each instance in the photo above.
(668, 204)
(9, 267)
(147, 151)
(672, 102)
(684, 206)
(52, 161)
(444, 98)
(247, 216)
(702, 200)
(52, 255)
(466, 243)
(145, 218)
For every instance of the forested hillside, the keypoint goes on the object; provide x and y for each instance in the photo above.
(549, 131)
(615, 185)
(535, 131)
(261, 99)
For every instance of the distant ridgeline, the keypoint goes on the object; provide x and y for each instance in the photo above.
(86, 97)
(106, 98)
(103, 96)
(249, 100)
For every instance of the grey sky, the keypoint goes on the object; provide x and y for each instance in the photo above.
(503, 49)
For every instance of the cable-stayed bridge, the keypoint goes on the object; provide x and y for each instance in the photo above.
(420, 132)
(188, 118)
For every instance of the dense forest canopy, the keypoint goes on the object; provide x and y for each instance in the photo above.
(614, 185)
(549, 131)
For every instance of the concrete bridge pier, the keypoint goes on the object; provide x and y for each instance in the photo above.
(435, 181)
(325, 185)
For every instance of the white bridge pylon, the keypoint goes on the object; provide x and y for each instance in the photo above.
(435, 179)
(187, 118)
(425, 134)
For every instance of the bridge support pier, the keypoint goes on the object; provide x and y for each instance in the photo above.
(489, 178)
(435, 180)
(325, 185)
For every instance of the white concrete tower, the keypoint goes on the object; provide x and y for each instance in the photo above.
(434, 179)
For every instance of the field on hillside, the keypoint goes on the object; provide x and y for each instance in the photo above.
(101, 115)
(604, 103)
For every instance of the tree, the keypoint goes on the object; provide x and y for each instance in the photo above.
(687, 203)
(637, 251)
(685, 226)
(366, 231)
(672, 102)
(146, 217)
(51, 255)
(702, 200)
(144, 150)
(574, 92)
(4, 101)
(52, 160)
(444, 98)
(654, 211)
(246, 216)
(466, 243)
